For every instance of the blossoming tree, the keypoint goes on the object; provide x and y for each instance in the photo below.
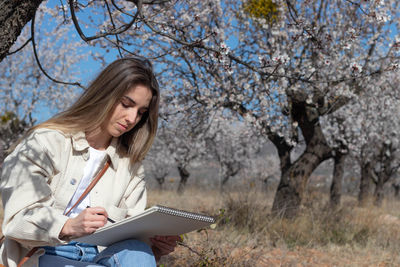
(282, 70)
(281, 65)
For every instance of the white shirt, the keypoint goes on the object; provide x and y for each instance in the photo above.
(93, 163)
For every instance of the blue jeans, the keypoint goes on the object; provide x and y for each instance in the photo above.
(122, 254)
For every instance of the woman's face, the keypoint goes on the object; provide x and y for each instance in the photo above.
(128, 111)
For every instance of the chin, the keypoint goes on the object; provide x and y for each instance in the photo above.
(116, 133)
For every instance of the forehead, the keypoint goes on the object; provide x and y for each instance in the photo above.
(140, 94)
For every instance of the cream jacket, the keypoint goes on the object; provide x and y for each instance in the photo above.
(38, 180)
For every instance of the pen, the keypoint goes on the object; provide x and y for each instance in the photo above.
(108, 219)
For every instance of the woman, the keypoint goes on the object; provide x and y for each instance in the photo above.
(115, 121)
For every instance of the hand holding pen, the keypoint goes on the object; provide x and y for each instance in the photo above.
(108, 219)
(87, 222)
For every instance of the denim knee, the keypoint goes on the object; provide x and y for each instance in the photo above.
(127, 253)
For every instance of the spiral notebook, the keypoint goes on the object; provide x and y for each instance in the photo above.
(157, 220)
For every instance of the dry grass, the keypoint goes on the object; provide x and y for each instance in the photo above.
(246, 234)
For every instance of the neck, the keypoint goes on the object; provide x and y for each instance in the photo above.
(97, 139)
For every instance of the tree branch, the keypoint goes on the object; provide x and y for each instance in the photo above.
(38, 61)
(114, 28)
(114, 32)
(19, 49)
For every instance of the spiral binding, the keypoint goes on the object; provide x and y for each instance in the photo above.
(185, 214)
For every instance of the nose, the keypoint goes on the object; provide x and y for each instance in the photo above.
(132, 116)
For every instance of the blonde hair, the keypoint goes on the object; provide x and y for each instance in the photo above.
(98, 101)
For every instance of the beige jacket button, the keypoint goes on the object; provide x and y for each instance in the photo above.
(73, 181)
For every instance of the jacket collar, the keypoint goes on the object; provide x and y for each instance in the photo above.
(80, 144)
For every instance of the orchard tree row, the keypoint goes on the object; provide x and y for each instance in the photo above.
(317, 73)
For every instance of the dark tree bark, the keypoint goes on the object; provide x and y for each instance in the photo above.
(14, 15)
(337, 180)
(230, 170)
(184, 174)
(396, 188)
(386, 172)
(365, 183)
(378, 193)
(160, 181)
(294, 177)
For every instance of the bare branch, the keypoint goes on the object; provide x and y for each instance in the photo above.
(38, 61)
(358, 5)
(122, 29)
(19, 49)
(114, 27)
(200, 44)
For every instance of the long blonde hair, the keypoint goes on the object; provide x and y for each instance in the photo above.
(98, 101)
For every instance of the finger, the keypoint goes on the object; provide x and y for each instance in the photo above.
(173, 238)
(90, 216)
(93, 224)
(159, 244)
(98, 210)
(172, 243)
(100, 217)
(159, 237)
(84, 230)
(162, 252)
(165, 248)
(169, 238)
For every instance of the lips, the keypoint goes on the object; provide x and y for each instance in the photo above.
(122, 126)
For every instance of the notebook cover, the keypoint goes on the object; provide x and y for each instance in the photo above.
(157, 220)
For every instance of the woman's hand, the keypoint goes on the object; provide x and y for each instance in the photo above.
(163, 245)
(87, 222)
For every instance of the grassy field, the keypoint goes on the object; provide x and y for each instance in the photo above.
(246, 234)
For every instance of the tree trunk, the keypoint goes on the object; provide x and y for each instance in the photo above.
(365, 183)
(396, 188)
(14, 15)
(160, 181)
(378, 193)
(337, 180)
(293, 183)
(386, 172)
(294, 177)
(184, 174)
(229, 170)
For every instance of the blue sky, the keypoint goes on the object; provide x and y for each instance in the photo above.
(87, 69)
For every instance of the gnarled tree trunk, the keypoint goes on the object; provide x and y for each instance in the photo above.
(293, 182)
(14, 15)
(294, 177)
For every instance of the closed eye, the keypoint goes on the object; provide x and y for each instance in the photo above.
(126, 102)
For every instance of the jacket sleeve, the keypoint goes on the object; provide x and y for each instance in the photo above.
(27, 197)
(135, 197)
